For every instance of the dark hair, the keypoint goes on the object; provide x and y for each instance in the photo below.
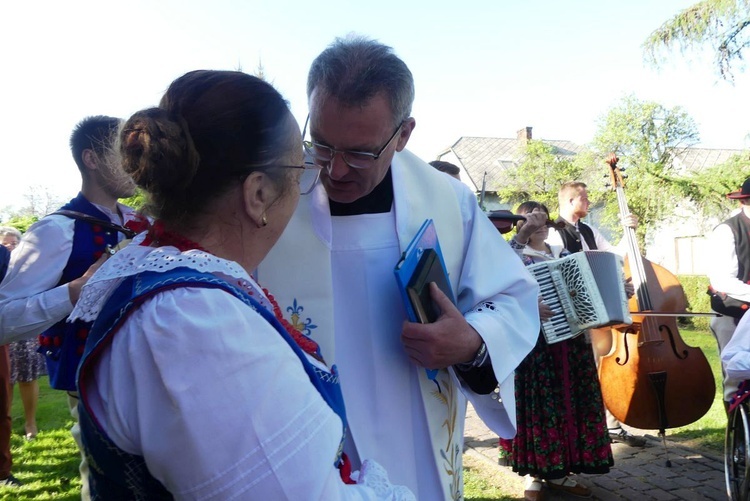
(528, 207)
(355, 69)
(92, 133)
(210, 126)
(446, 167)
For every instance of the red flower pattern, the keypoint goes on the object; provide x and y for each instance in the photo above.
(560, 430)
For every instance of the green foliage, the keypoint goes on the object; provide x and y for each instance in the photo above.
(720, 24)
(21, 222)
(646, 137)
(708, 187)
(137, 201)
(698, 301)
(538, 176)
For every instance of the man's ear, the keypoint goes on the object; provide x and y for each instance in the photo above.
(406, 129)
(256, 193)
(90, 159)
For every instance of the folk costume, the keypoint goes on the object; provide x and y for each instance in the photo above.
(729, 276)
(34, 298)
(580, 236)
(560, 412)
(186, 359)
(333, 277)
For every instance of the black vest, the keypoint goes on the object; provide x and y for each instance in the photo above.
(740, 225)
(572, 238)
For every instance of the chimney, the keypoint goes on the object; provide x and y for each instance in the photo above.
(524, 135)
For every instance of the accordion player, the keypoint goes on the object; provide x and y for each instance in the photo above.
(585, 289)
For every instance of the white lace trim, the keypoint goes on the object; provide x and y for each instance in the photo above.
(136, 258)
(375, 477)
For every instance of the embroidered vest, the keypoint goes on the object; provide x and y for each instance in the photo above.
(572, 239)
(4, 260)
(117, 475)
(61, 344)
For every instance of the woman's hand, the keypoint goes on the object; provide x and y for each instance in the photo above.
(534, 221)
(545, 312)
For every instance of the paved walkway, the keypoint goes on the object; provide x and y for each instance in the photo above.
(639, 473)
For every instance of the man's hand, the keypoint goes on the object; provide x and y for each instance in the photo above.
(629, 287)
(630, 221)
(75, 286)
(448, 341)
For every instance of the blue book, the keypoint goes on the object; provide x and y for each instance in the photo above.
(421, 263)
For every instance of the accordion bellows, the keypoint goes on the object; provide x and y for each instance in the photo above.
(585, 289)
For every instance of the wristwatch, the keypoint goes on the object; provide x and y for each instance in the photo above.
(481, 359)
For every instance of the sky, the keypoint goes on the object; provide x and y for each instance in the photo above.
(481, 68)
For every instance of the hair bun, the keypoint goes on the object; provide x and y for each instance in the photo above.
(158, 152)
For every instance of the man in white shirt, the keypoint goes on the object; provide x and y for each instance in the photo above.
(729, 273)
(333, 267)
(59, 253)
(577, 236)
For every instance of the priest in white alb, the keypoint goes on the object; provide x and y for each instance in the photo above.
(332, 274)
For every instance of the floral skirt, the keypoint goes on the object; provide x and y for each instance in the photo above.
(559, 413)
(26, 364)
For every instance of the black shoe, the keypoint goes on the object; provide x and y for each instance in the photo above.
(11, 481)
(623, 436)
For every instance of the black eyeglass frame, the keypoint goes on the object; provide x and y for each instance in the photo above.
(306, 166)
(309, 145)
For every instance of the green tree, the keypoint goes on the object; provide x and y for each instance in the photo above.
(137, 201)
(538, 176)
(721, 24)
(646, 137)
(708, 187)
(21, 222)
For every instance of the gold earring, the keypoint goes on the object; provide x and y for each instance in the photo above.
(263, 220)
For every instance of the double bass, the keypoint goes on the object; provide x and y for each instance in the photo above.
(652, 379)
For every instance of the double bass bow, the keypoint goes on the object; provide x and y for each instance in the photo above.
(652, 379)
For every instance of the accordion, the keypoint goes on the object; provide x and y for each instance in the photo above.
(585, 290)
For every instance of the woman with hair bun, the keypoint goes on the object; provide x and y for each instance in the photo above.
(193, 385)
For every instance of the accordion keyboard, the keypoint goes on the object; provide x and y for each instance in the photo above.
(557, 328)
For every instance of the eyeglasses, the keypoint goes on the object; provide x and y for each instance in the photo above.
(323, 155)
(308, 179)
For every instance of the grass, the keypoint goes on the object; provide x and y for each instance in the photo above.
(708, 432)
(48, 466)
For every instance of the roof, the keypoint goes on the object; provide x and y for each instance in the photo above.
(493, 155)
(697, 159)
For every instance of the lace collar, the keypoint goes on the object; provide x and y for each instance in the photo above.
(136, 258)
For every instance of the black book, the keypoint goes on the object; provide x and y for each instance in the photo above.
(429, 269)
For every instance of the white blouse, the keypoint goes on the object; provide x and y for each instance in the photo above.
(212, 396)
